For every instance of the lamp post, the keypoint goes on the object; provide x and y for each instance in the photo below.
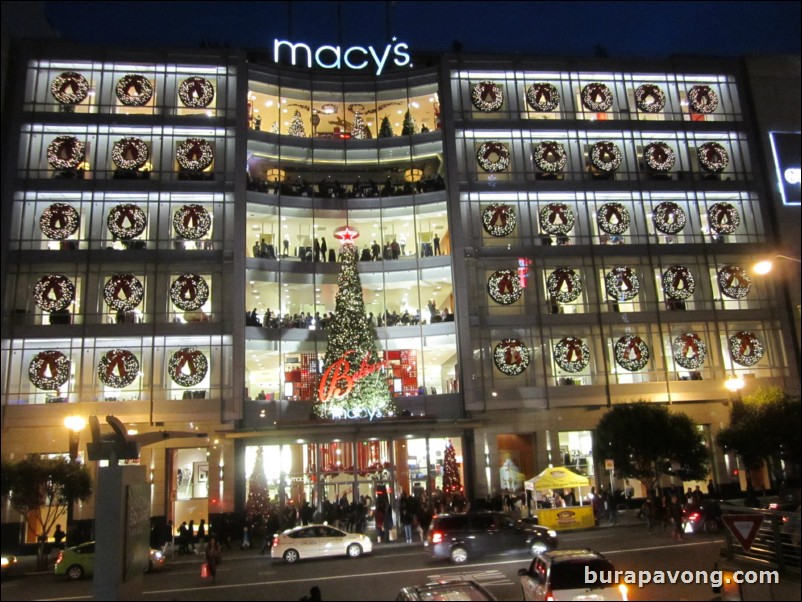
(74, 424)
(734, 386)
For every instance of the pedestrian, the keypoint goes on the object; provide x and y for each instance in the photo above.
(213, 556)
(378, 518)
(314, 594)
(436, 245)
(612, 508)
(648, 512)
(202, 534)
(191, 535)
(59, 536)
(323, 248)
(183, 539)
(675, 511)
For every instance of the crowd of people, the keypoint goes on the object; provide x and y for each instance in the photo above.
(349, 190)
(321, 322)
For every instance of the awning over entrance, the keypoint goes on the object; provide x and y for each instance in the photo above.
(556, 478)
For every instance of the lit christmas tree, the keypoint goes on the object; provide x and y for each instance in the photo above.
(451, 479)
(297, 126)
(386, 129)
(258, 503)
(359, 131)
(408, 127)
(354, 382)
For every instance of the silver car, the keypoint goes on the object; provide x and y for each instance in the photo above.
(318, 541)
(580, 574)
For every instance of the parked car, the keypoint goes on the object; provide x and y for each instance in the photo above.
(79, 561)
(561, 575)
(459, 537)
(704, 518)
(446, 589)
(318, 541)
(9, 566)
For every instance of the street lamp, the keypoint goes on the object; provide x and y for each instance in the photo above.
(74, 424)
(765, 266)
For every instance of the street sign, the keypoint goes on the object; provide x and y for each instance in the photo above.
(744, 527)
(609, 465)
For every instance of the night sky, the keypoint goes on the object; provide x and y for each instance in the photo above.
(623, 29)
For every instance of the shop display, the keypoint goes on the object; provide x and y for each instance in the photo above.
(557, 219)
(499, 220)
(572, 354)
(622, 284)
(613, 218)
(196, 92)
(134, 90)
(550, 156)
(194, 154)
(504, 287)
(606, 157)
(69, 88)
(49, 370)
(130, 153)
(192, 222)
(296, 127)
(659, 157)
(487, 97)
(745, 348)
(66, 152)
(713, 157)
(689, 351)
(597, 97)
(189, 292)
(543, 97)
(187, 367)
(511, 357)
(702, 99)
(734, 282)
(54, 292)
(493, 157)
(59, 221)
(631, 353)
(118, 368)
(723, 218)
(669, 218)
(126, 222)
(564, 285)
(649, 98)
(123, 292)
(359, 131)
(678, 283)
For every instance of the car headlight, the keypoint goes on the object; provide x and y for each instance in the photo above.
(157, 555)
(552, 533)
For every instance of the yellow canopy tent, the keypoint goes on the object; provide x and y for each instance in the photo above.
(558, 479)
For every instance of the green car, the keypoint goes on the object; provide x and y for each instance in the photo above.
(80, 560)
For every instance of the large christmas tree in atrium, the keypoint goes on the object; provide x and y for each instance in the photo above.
(354, 382)
(452, 483)
(258, 504)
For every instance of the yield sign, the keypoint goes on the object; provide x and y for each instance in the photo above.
(744, 527)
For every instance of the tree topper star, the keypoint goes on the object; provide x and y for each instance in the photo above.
(346, 234)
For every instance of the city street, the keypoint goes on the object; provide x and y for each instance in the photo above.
(248, 576)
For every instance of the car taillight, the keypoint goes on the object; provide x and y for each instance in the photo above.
(623, 589)
(549, 596)
(275, 541)
(437, 537)
(693, 517)
(60, 557)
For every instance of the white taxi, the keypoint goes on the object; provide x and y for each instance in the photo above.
(318, 541)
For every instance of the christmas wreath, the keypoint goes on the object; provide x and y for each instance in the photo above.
(130, 153)
(543, 97)
(118, 368)
(659, 156)
(713, 157)
(689, 351)
(504, 287)
(126, 221)
(49, 370)
(723, 218)
(187, 367)
(564, 285)
(550, 156)
(557, 219)
(489, 149)
(194, 154)
(702, 99)
(678, 283)
(572, 354)
(498, 220)
(196, 92)
(511, 357)
(745, 348)
(59, 221)
(487, 97)
(649, 98)
(189, 292)
(123, 292)
(66, 152)
(669, 218)
(54, 292)
(134, 90)
(192, 222)
(597, 97)
(622, 284)
(613, 211)
(605, 156)
(69, 88)
(631, 353)
(734, 281)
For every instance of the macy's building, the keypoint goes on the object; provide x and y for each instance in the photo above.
(538, 239)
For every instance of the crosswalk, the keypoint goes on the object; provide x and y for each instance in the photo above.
(491, 577)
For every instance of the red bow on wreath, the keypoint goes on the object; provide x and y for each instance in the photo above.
(136, 83)
(48, 361)
(613, 211)
(542, 95)
(659, 153)
(116, 362)
(493, 147)
(122, 285)
(551, 151)
(125, 212)
(53, 290)
(192, 215)
(623, 281)
(512, 353)
(689, 343)
(573, 348)
(504, 284)
(188, 289)
(563, 279)
(746, 344)
(66, 149)
(500, 213)
(487, 89)
(734, 277)
(680, 277)
(195, 152)
(130, 152)
(555, 211)
(195, 88)
(723, 216)
(186, 358)
(633, 348)
(71, 83)
(58, 217)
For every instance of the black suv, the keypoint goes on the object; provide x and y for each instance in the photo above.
(462, 536)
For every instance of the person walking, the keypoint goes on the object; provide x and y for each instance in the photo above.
(436, 245)
(213, 556)
(675, 511)
(314, 594)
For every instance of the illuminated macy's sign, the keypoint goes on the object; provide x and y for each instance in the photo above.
(338, 381)
(336, 57)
